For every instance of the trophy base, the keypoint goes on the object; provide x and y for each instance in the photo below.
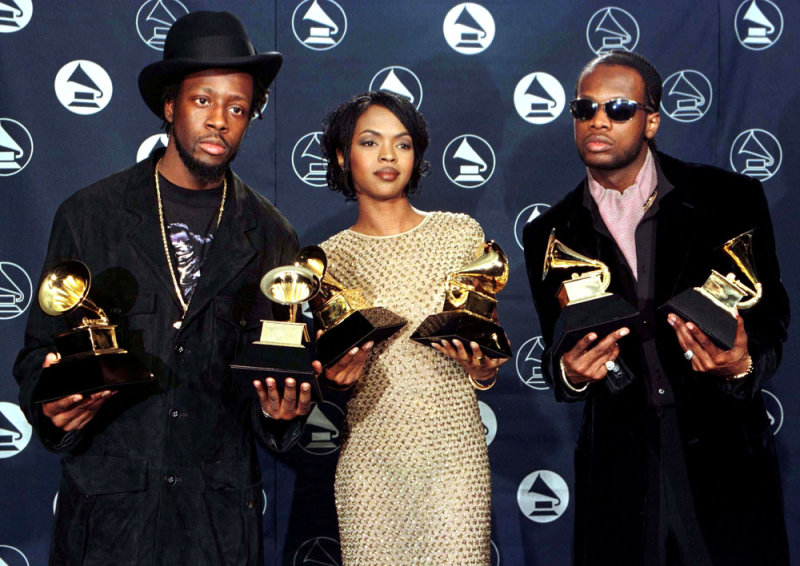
(361, 326)
(90, 373)
(602, 316)
(258, 362)
(466, 328)
(715, 322)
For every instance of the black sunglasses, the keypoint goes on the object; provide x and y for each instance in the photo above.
(617, 109)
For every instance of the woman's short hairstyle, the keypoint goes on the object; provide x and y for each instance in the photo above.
(340, 125)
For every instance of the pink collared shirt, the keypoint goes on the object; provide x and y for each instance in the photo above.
(622, 211)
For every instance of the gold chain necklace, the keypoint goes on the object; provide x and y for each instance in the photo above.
(162, 223)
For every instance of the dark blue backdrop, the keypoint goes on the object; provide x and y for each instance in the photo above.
(496, 72)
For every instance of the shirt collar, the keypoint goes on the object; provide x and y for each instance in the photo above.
(635, 195)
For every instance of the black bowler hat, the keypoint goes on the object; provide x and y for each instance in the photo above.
(204, 40)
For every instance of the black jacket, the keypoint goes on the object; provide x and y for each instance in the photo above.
(168, 473)
(729, 449)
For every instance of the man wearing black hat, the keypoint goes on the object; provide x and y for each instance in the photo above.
(166, 472)
(675, 463)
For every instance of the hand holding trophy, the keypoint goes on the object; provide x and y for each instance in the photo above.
(282, 349)
(586, 305)
(91, 359)
(470, 306)
(714, 305)
(346, 319)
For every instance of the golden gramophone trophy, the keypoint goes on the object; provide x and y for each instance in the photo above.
(714, 305)
(90, 360)
(346, 319)
(470, 306)
(282, 348)
(586, 305)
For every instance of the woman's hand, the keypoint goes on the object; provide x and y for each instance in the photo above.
(479, 367)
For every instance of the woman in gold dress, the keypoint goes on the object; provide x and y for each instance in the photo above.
(412, 482)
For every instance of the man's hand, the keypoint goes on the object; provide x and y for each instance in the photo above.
(349, 369)
(587, 362)
(73, 412)
(287, 407)
(706, 357)
(478, 366)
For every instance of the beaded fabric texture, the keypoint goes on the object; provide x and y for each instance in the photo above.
(412, 482)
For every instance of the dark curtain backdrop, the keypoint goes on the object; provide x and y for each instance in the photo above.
(492, 79)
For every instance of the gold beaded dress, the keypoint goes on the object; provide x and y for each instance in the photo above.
(412, 482)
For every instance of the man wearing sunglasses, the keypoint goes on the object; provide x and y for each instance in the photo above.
(675, 463)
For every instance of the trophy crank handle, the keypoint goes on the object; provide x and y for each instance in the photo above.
(89, 305)
(756, 296)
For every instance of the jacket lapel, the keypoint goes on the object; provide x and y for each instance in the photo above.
(231, 250)
(144, 232)
(676, 230)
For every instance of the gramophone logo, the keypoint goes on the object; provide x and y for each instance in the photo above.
(468, 161)
(321, 435)
(543, 496)
(525, 215)
(759, 24)
(149, 145)
(495, 560)
(774, 411)
(319, 551)
(529, 364)
(15, 432)
(14, 15)
(468, 28)
(756, 153)
(489, 421)
(154, 19)
(10, 556)
(16, 147)
(687, 96)
(539, 98)
(15, 290)
(83, 87)
(307, 161)
(319, 24)
(398, 80)
(612, 28)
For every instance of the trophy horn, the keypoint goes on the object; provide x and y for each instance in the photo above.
(314, 258)
(560, 256)
(65, 288)
(488, 273)
(296, 283)
(740, 249)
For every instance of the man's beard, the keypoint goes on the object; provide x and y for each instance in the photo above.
(198, 169)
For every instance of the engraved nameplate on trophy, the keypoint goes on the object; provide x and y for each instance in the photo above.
(91, 359)
(586, 305)
(470, 307)
(282, 350)
(714, 305)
